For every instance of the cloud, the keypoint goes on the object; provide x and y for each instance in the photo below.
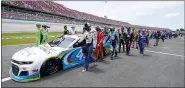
(134, 12)
(142, 14)
(151, 25)
(168, 15)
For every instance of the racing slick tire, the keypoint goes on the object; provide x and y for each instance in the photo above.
(50, 67)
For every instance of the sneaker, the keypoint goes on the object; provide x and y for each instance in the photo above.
(95, 63)
(141, 54)
(84, 70)
(111, 58)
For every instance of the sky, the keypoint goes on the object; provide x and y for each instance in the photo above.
(164, 14)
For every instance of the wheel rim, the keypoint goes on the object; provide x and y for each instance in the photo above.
(51, 67)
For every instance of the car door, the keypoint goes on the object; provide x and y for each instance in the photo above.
(78, 54)
(69, 60)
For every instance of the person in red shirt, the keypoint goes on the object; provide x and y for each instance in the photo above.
(98, 49)
(101, 44)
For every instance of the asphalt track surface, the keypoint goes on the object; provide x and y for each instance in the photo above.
(161, 66)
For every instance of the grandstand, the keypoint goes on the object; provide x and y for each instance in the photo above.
(49, 11)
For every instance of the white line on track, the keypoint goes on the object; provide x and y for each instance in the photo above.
(183, 38)
(6, 79)
(165, 53)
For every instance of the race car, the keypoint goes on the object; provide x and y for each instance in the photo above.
(34, 62)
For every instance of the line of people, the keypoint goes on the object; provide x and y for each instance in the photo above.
(122, 39)
(116, 39)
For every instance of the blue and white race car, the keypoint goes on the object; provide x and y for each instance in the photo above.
(34, 62)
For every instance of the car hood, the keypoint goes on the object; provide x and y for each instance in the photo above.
(36, 52)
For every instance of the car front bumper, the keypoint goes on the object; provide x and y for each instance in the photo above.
(33, 77)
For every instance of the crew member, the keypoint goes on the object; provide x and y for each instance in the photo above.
(141, 42)
(88, 49)
(45, 27)
(98, 50)
(114, 38)
(65, 30)
(128, 41)
(101, 43)
(73, 31)
(40, 35)
(122, 37)
(157, 37)
(163, 36)
(134, 37)
(147, 38)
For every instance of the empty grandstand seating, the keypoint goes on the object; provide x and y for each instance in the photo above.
(51, 7)
(60, 13)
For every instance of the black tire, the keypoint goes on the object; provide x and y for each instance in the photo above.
(50, 67)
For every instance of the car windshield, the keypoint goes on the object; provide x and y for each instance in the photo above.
(62, 42)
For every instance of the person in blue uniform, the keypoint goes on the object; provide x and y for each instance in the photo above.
(88, 48)
(141, 41)
(114, 40)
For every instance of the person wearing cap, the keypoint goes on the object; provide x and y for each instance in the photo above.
(73, 31)
(141, 41)
(88, 48)
(40, 35)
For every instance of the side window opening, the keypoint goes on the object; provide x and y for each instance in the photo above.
(77, 44)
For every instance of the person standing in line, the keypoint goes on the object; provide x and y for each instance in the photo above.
(128, 41)
(157, 37)
(113, 37)
(98, 51)
(141, 42)
(122, 37)
(117, 40)
(134, 37)
(101, 43)
(163, 36)
(147, 38)
(88, 48)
